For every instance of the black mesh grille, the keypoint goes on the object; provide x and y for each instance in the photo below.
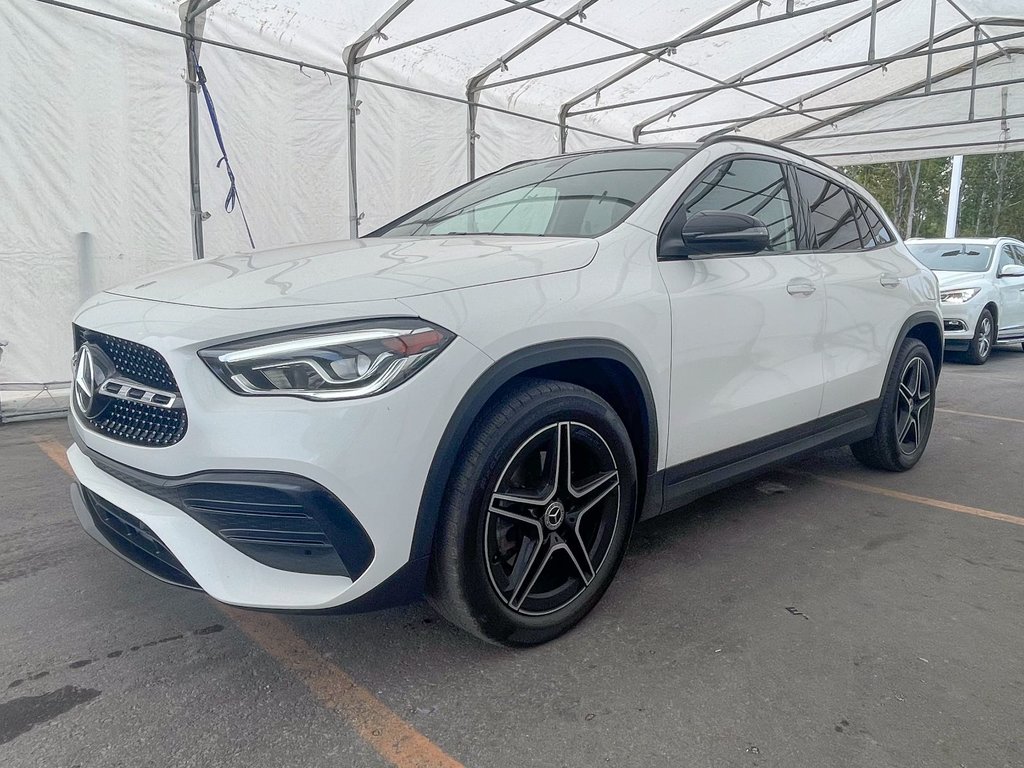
(126, 420)
(140, 423)
(134, 361)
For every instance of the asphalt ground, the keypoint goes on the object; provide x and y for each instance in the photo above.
(821, 615)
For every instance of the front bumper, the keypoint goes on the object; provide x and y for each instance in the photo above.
(371, 457)
(959, 322)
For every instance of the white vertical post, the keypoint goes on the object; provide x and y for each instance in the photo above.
(953, 208)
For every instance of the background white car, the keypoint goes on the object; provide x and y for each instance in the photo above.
(481, 399)
(982, 291)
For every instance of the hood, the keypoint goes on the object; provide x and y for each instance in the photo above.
(359, 270)
(949, 280)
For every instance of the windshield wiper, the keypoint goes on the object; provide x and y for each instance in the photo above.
(961, 252)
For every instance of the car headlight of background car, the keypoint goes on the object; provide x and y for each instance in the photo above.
(958, 296)
(334, 362)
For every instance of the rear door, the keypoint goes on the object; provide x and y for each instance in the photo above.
(746, 329)
(864, 279)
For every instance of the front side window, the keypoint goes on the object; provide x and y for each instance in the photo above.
(953, 257)
(1018, 254)
(832, 215)
(1005, 257)
(568, 196)
(754, 187)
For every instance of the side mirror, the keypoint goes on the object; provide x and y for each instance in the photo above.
(1011, 270)
(722, 233)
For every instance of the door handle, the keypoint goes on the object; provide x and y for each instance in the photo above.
(800, 288)
(888, 280)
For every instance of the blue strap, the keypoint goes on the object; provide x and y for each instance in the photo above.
(232, 199)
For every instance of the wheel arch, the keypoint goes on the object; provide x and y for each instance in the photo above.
(622, 378)
(993, 308)
(927, 328)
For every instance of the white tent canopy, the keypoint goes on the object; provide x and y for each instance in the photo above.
(337, 115)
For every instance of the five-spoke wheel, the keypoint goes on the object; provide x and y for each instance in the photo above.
(905, 413)
(537, 514)
(913, 405)
(551, 518)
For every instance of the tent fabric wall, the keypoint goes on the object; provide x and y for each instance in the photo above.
(93, 172)
(94, 149)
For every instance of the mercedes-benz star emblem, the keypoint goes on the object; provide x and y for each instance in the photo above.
(554, 515)
(90, 372)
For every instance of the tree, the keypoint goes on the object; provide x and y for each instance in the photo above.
(915, 194)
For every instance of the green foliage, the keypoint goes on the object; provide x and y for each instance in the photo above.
(914, 193)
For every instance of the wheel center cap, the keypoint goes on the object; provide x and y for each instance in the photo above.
(554, 515)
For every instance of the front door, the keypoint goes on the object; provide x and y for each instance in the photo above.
(1011, 294)
(746, 330)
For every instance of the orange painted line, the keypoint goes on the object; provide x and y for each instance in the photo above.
(389, 735)
(980, 415)
(56, 452)
(926, 501)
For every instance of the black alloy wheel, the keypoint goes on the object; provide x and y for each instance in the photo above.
(906, 412)
(551, 518)
(536, 516)
(914, 409)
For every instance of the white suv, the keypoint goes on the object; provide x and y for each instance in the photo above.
(981, 285)
(479, 400)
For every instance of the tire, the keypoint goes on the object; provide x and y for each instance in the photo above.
(907, 412)
(984, 339)
(522, 554)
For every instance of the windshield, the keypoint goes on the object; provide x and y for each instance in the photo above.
(568, 196)
(953, 257)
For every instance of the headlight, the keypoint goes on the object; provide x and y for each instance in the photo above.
(336, 362)
(960, 296)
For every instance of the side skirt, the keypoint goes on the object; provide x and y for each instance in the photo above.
(690, 480)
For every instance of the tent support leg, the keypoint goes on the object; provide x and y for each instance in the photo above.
(353, 182)
(471, 134)
(953, 206)
(195, 192)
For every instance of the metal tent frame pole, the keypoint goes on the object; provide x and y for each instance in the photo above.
(353, 56)
(563, 112)
(764, 64)
(190, 11)
(881, 62)
(874, 67)
(904, 91)
(651, 48)
(501, 63)
(849, 104)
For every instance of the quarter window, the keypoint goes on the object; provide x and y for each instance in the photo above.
(875, 232)
(754, 187)
(832, 215)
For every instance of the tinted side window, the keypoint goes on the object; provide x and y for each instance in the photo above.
(754, 187)
(1005, 256)
(832, 217)
(1018, 252)
(875, 232)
